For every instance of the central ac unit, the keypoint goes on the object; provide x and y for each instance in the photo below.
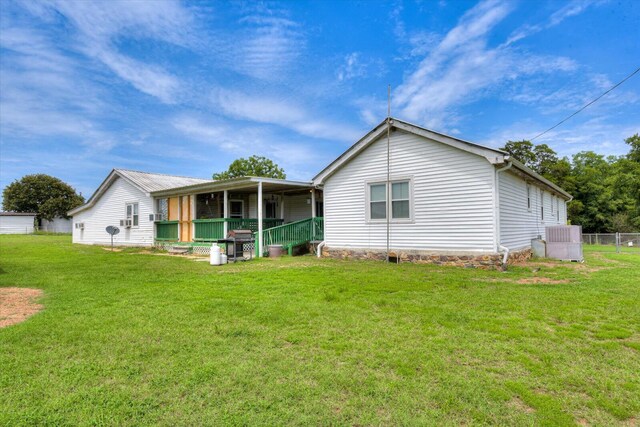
(79, 225)
(156, 217)
(125, 223)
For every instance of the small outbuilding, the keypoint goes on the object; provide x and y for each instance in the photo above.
(17, 222)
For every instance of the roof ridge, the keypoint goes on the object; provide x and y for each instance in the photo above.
(162, 174)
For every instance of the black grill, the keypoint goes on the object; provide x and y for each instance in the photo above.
(235, 243)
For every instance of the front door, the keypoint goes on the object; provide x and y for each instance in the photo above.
(185, 218)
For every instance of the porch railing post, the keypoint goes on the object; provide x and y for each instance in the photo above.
(260, 219)
(225, 213)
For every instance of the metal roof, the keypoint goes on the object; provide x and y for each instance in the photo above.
(150, 182)
(145, 181)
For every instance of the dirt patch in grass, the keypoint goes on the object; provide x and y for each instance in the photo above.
(18, 304)
(517, 403)
(541, 281)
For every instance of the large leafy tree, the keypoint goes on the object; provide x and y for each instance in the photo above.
(522, 151)
(253, 166)
(45, 195)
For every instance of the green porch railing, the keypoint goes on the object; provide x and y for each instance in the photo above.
(292, 234)
(208, 230)
(166, 230)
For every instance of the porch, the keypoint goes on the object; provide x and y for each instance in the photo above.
(202, 214)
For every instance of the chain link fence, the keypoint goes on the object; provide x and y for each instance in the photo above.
(612, 242)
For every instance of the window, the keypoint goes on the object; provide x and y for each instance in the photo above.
(558, 209)
(132, 213)
(400, 200)
(162, 208)
(528, 197)
(552, 200)
(377, 201)
(400, 192)
(541, 205)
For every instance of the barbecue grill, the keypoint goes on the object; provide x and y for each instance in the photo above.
(235, 241)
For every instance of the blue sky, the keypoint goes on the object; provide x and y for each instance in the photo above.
(185, 88)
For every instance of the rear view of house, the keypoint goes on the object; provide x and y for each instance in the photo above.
(429, 197)
(402, 191)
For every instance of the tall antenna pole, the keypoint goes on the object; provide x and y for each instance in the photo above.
(388, 185)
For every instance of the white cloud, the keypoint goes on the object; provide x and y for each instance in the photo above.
(281, 112)
(462, 68)
(101, 24)
(267, 45)
(573, 8)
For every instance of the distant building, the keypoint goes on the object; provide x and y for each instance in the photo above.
(17, 222)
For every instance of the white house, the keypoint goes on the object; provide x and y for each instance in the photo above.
(401, 191)
(17, 222)
(429, 197)
(123, 195)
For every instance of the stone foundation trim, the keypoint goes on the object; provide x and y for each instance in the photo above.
(466, 260)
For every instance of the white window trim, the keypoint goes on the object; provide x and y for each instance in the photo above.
(541, 205)
(528, 196)
(367, 193)
(125, 213)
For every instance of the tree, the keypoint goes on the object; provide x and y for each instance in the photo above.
(47, 196)
(253, 166)
(522, 151)
(634, 142)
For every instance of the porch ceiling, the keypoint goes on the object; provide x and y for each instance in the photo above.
(245, 184)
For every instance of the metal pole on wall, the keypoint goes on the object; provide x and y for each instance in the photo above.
(387, 189)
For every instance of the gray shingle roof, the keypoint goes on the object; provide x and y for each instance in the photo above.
(156, 181)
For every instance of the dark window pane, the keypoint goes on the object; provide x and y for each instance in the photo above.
(378, 210)
(400, 209)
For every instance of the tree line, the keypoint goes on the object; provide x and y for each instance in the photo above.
(605, 189)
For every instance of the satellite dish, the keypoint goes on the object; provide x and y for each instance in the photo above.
(112, 230)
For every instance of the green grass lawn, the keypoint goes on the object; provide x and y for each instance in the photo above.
(132, 339)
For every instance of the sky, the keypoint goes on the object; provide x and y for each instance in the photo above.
(185, 88)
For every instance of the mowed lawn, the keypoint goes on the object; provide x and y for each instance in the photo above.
(134, 339)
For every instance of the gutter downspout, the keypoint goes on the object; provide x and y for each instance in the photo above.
(500, 248)
(319, 248)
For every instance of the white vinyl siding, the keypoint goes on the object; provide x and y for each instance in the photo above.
(518, 224)
(452, 198)
(109, 209)
(57, 225)
(16, 224)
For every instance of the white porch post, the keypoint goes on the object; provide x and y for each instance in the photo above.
(260, 219)
(282, 206)
(313, 203)
(226, 212)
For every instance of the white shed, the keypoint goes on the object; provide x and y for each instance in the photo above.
(56, 225)
(17, 222)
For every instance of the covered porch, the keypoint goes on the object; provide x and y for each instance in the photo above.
(205, 213)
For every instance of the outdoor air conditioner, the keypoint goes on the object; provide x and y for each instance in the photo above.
(80, 225)
(156, 217)
(564, 242)
(126, 223)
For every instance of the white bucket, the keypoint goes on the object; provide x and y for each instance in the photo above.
(223, 259)
(214, 255)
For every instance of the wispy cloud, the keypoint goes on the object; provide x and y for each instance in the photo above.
(267, 44)
(100, 25)
(573, 8)
(462, 68)
(281, 112)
